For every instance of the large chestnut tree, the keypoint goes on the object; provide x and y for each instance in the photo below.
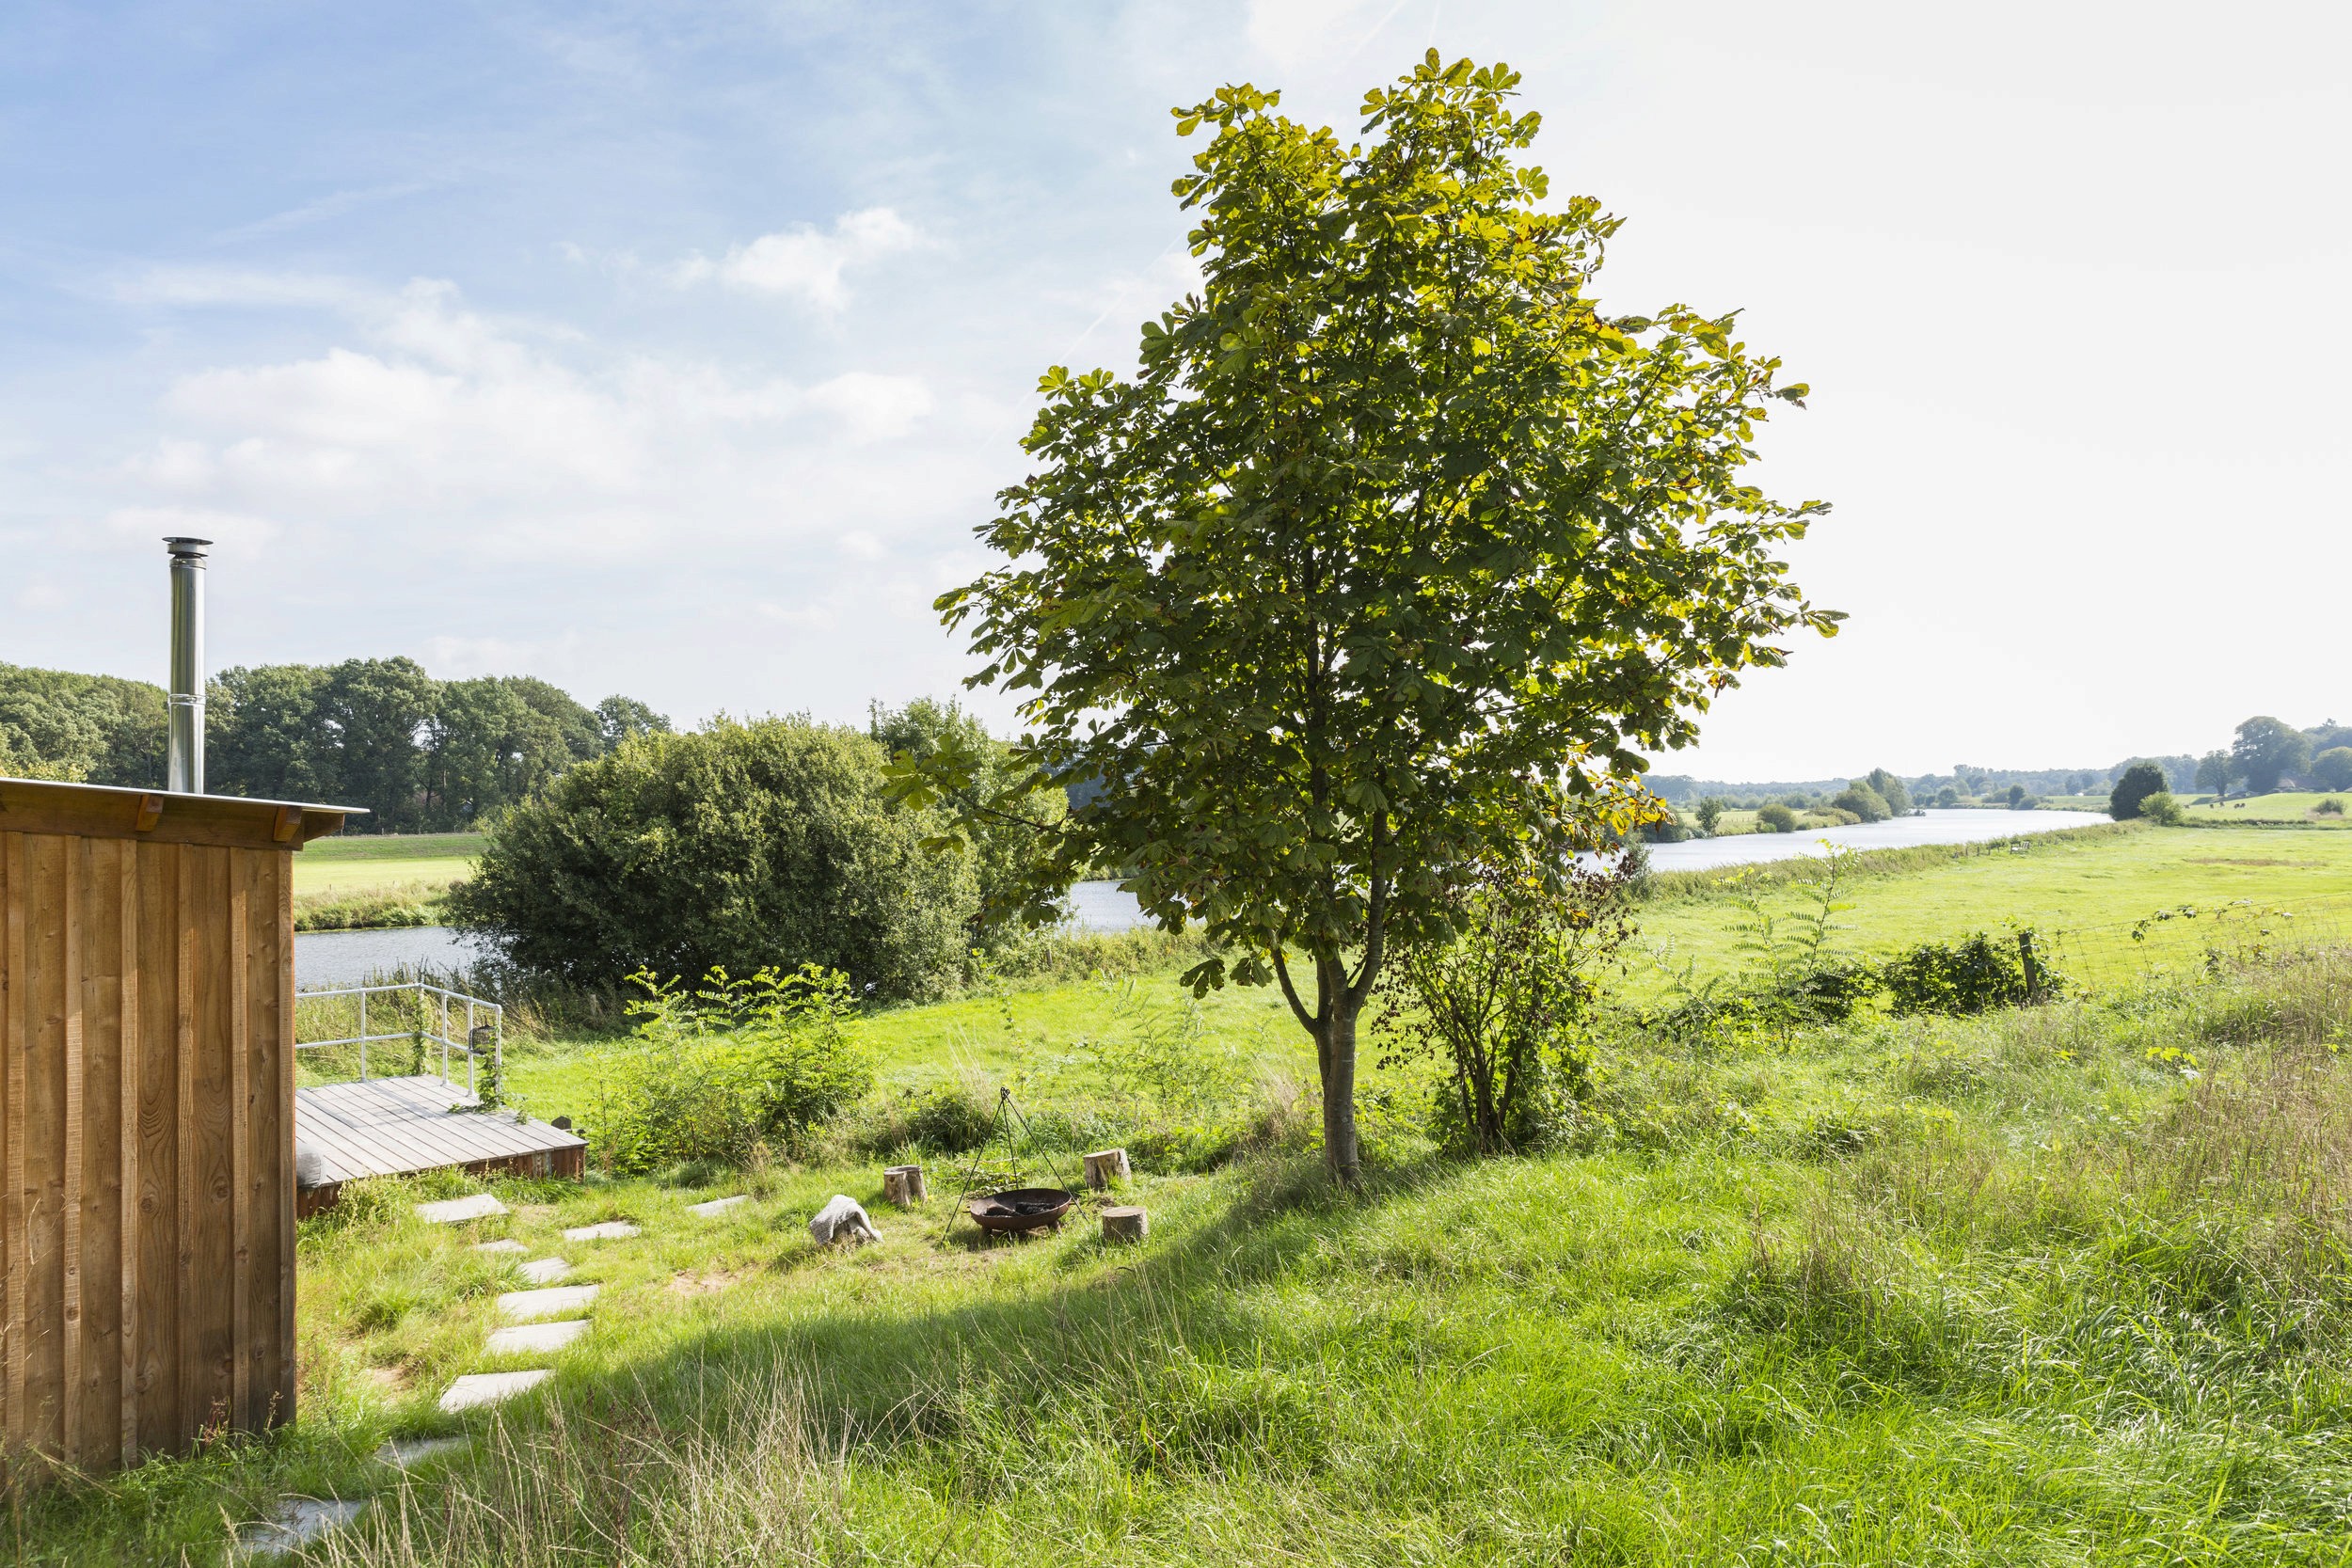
(1396, 547)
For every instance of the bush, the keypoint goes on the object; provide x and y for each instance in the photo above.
(953, 1120)
(741, 848)
(1969, 976)
(2140, 781)
(1863, 802)
(730, 1067)
(1777, 818)
(2161, 809)
(1710, 812)
(2329, 807)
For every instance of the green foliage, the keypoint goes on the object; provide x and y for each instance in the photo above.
(730, 1066)
(1777, 818)
(1709, 812)
(2267, 750)
(422, 755)
(88, 729)
(740, 847)
(2332, 768)
(1967, 977)
(1890, 789)
(2329, 807)
(1503, 1003)
(1008, 824)
(1394, 528)
(2162, 809)
(1947, 796)
(2214, 770)
(953, 1118)
(1864, 804)
(2140, 780)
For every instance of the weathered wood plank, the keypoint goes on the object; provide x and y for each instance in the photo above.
(211, 1118)
(156, 1377)
(184, 1134)
(93, 811)
(44, 1140)
(236, 970)
(71, 852)
(15, 1035)
(129, 1044)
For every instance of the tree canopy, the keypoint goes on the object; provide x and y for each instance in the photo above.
(1396, 547)
(2266, 751)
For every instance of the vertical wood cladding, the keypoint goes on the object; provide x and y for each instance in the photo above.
(147, 1226)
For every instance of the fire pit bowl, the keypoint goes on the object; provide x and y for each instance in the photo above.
(1020, 1208)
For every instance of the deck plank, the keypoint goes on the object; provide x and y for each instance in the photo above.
(396, 1126)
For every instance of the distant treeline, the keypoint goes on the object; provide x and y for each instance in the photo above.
(422, 755)
(2265, 753)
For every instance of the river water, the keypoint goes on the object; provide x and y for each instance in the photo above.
(347, 958)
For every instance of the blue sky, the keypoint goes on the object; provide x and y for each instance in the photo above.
(677, 349)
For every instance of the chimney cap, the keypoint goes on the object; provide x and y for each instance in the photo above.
(188, 547)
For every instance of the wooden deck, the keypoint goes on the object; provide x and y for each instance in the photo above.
(399, 1126)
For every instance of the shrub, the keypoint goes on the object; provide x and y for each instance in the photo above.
(730, 1067)
(1709, 812)
(952, 1120)
(2329, 807)
(1863, 802)
(1968, 976)
(2140, 781)
(1947, 796)
(2161, 809)
(1777, 818)
(741, 846)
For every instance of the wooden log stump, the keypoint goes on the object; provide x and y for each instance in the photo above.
(903, 1185)
(1105, 1166)
(1125, 1223)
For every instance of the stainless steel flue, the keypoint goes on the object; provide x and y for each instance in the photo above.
(184, 747)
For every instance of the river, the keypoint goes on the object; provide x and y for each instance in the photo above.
(347, 957)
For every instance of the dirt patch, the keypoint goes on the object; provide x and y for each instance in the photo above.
(385, 1380)
(535, 1211)
(705, 1283)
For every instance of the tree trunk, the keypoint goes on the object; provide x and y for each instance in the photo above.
(1335, 1053)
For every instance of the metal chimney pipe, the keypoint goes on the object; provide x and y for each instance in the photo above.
(184, 747)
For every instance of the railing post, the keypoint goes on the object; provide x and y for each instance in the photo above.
(470, 1087)
(363, 1034)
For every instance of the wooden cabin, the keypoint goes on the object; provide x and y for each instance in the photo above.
(147, 1117)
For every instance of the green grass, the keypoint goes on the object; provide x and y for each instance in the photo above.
(2085, 887)
(2070, 1285)
(2285, 806)
(2064, 1286)
(394, 846)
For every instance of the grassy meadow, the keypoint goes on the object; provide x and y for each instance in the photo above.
(2070, 1284)
(382, 880)
(2296, 806)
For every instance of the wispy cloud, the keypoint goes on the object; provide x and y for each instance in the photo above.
(803, 262)
(320, 209)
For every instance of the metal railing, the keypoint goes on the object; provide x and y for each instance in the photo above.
(427, 1015)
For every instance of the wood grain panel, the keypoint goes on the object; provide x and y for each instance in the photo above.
(146, 1203)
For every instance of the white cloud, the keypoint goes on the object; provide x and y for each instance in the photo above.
(802, 262)
(484, 438)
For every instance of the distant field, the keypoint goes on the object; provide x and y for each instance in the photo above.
(352, 865)
(2086, 891)
(2286, 806)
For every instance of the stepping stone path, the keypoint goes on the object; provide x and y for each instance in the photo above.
(450, 1211)
(526, 1337)
(298, 1522)
(522, 1306)
(407, 1453)
(479, 1388)
(718, 1206)
(524, 1310)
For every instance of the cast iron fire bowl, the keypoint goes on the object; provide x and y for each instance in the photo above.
(1020, 1209)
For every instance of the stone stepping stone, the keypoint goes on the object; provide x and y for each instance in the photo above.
(502, 1245)
(476, 1390)
(532, 1339)
(608, 1232)
(523, 1306)
(297, 1522)
(543, 1271)
(718, 1206)
(407, 1453)
(450, 1211)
